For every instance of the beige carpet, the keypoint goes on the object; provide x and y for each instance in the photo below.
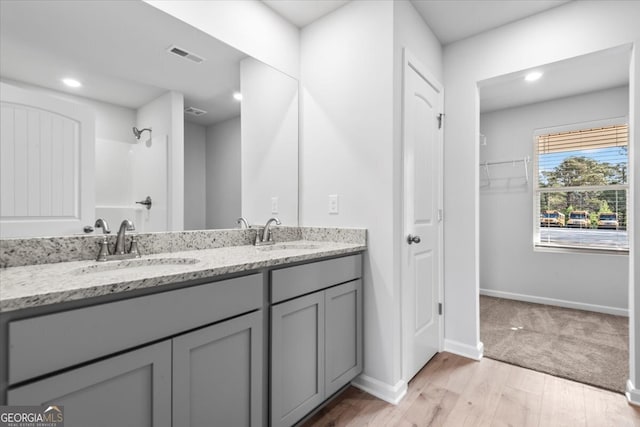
(588, 347)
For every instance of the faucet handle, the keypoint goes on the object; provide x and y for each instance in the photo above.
(104, 250)
(134, 248)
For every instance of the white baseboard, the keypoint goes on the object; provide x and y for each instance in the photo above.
(464, 350)
(633, 394)
(388, 393)
(557, 302)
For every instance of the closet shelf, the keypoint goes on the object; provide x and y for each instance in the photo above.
(525, 162)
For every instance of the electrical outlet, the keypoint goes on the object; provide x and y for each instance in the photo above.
(333, 204)
(274, 205)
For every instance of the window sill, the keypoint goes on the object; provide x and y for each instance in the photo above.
(567, 249)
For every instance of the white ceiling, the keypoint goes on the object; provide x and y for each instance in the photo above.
(303, 12)
(118, 50)
(453, 20)
(582, 74)
(450, 20)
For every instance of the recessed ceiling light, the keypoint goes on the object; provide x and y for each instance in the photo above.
(71, 82)
(237, 96)
(532, 77)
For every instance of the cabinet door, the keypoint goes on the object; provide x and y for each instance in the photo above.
(217, 374)
(343, 335)
(133, 389)
(297, 358)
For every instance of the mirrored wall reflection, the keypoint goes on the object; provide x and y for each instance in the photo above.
(269, 144)
(254, 154)
(212, 164)
(190, 162)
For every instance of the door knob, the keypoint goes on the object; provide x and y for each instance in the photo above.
(413, 239)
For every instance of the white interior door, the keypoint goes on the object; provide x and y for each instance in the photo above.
(422, 240)
(46, 164)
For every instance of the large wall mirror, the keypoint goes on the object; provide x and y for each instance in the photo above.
(164, 111)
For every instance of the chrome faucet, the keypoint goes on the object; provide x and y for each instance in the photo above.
(118, 251)
(242, 222)
(266, 238)
(126, 225)
(102, 223)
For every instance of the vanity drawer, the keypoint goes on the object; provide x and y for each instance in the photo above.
(44, 344)
(291, 282)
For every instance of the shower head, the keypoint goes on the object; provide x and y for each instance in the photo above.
(137, 132)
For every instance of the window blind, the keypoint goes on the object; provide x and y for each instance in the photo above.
(584, 139)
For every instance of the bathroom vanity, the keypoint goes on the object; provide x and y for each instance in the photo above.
(241, 336)
(316, 334)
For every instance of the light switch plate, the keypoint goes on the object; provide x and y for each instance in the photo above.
(274, 205)
(333, 204)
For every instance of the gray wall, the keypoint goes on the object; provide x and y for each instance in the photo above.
(350, 146)
(508, 264)
(223, 174)
(195, 142)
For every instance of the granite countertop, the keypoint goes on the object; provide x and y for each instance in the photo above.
(38, 285)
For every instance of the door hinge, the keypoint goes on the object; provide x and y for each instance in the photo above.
(440, 215)
(440, 118)
(440, 308)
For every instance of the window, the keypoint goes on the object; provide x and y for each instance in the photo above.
(580, 196)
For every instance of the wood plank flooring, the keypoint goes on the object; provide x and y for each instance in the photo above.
(454, 391)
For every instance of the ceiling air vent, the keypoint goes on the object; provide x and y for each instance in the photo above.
(194, 111)
(185, 54)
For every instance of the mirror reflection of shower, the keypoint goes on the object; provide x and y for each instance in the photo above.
(138, 132)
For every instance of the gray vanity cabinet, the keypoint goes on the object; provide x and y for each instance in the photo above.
(132, 389)
(193, 355)
(208, 377)
(217, 374)
(297, 358)
(202, 366)
(316, 338)
(343, 335)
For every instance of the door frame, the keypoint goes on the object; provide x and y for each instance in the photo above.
(410, 61)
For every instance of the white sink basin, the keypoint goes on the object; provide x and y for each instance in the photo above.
(287, 247)
(129, 264)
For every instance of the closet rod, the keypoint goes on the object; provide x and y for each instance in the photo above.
(506, 162)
